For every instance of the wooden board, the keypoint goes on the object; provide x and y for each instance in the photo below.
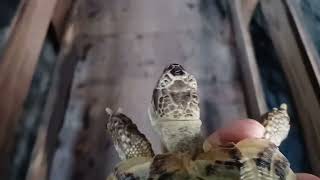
(17, 66)
(292, 60)
(54, 110)
(124, 47)
(312, 59)
(60, 17)
(250, 72)
(246, 8)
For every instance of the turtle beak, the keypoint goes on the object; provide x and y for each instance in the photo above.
(175, 70)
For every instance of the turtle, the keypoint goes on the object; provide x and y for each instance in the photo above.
(174, 113)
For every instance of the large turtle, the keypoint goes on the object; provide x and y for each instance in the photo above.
(174, 114)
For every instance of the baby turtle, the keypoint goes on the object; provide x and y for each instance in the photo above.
(175, 115)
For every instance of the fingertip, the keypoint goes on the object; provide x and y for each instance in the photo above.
(238, 130)
(241, 129)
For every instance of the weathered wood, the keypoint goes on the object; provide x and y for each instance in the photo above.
(52, 117)
(307, 46)
(292, 59)
(59, 19)
(125, 46)
(18, 64)
(62, 164)
(247, 8)
(250, 72)
(55, 107)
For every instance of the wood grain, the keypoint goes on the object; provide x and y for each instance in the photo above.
(247, 8)
(292, 60)
(250, 72)
(60, 17)
(18, 64)
(54, 111)
(306, 44)
(124, 46)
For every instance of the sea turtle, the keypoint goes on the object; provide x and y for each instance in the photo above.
(175, 115)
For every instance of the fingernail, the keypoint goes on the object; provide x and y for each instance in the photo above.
(206, 146)
(211, 142)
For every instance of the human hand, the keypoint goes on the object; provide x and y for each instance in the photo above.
(242, 129)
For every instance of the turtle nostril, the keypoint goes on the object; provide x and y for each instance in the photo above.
(177, 71)
(174, 69)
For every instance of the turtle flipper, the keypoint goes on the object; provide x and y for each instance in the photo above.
(276, 124)
(128, 140)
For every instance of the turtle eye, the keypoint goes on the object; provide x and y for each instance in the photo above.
(164, 81)
(192, 81)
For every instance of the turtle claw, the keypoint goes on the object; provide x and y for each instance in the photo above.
(109, 111)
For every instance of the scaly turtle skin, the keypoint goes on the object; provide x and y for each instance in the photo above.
(174, 113)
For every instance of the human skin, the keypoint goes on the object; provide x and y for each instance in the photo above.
(241, 129)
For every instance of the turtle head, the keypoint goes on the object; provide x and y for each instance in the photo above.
(175, 95)
(176, 77)
(175, 112)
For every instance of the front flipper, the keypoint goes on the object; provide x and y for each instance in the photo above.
(276, 124)
(128, 140)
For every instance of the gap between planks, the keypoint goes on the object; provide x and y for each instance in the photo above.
(241, 16)
(59, 19)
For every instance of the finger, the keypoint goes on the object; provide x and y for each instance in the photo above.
(305, 176)
(238, 130)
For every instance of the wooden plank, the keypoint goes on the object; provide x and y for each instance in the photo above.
(307, 45)
(59, 19)
(250, 72)
(247, 8)
(126, 45)
(292, 60)
(53, 115)
(18, 64)
(55, 107)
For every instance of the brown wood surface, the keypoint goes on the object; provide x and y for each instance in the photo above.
(123, 48)
(292, 60)
(60, 16)
(250, 72)
(54, 110)
(247, 8)
(307, 45)
(17, 66)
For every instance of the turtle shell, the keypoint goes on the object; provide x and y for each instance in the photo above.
(248, 159)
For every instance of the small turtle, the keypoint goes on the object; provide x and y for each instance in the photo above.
(175, 115)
